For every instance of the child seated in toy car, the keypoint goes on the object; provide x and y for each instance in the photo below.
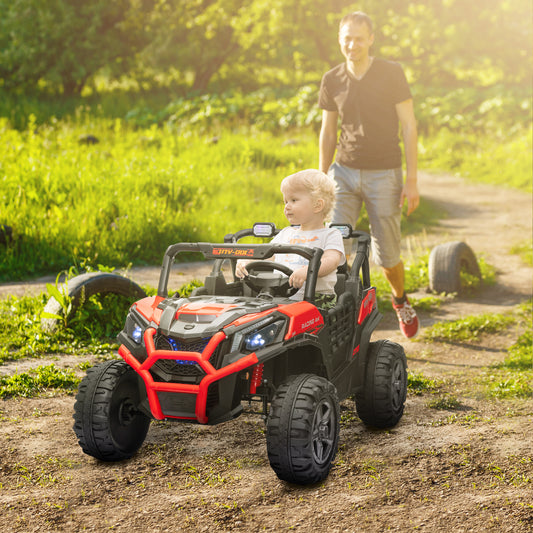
(309, 196)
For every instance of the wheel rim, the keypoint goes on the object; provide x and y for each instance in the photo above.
(323, 438)
(397, 385)
(127, 423)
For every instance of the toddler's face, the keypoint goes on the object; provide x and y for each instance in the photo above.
(299, 206)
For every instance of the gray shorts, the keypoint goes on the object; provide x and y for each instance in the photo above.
(380, 190)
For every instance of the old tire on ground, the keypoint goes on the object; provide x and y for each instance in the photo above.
(446, 262)
(107, 421)
(81, 287)
(303, 429)
(380, 403)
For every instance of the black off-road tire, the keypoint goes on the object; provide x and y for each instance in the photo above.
(380, 403)
(81, 287)
(303, 429)
(107, 421)
(446, 262)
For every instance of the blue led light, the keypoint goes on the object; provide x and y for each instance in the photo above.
(137, 334)
(173, 343)
(256, 341)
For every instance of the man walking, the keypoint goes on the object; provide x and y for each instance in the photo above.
(371, 96)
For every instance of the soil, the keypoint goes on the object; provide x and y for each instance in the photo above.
(465, 468)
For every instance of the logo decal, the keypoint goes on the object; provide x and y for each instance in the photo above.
(234, 251)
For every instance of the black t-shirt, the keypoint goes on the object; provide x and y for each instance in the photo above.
(367, 108)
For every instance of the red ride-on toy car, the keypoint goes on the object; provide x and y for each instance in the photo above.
(197, 359)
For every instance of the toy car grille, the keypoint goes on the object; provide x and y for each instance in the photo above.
(169, 343)
(180, 370)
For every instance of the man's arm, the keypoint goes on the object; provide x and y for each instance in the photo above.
(406, 115)
(327, 141)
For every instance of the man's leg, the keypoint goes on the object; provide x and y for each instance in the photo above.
(395, 277)
(382, 192)
(348, 202)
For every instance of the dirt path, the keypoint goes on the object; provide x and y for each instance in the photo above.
(466, 469)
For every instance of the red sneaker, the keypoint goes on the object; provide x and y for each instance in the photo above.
(407, 319)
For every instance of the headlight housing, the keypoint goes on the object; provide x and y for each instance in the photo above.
(263, 337)
(137, 334)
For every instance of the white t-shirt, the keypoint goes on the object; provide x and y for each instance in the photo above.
(325, 238)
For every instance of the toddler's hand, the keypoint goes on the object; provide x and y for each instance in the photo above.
(298, 277)
(240, 269)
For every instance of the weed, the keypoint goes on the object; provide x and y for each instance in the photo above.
(417, 383)
(445, 403)
(462, 420)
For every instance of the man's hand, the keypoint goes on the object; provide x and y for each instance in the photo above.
(410, 193)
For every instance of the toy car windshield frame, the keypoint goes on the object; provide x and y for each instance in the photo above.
(255, 252)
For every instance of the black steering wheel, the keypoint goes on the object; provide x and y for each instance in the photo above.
(273, 284)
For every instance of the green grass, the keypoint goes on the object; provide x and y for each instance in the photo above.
(468, 328)
(194, 170)
(34, 382)
(525, 251)
(502, 160)
(418, 384)
(136, 191)
(513, 377)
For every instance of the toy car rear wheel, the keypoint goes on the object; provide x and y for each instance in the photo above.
(380, 403)
(107, 422)
(303, 429)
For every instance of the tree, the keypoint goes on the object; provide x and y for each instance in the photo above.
(64, 42)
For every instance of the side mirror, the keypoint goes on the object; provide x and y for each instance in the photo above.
(264, 229)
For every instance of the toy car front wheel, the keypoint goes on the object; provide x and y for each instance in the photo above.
(107, 421)
(303, 429)
(381, 402)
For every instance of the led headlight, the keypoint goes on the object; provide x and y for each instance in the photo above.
(259, 339)
(137, 334)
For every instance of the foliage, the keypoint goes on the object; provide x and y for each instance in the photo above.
(63, 43)
(216, 44)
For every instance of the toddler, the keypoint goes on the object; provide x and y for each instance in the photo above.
(309, 196)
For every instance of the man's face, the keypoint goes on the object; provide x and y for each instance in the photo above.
(355, 41)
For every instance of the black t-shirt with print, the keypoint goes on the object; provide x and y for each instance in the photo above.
(367, 109)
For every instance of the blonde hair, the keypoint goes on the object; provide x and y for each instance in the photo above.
(316, 183)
